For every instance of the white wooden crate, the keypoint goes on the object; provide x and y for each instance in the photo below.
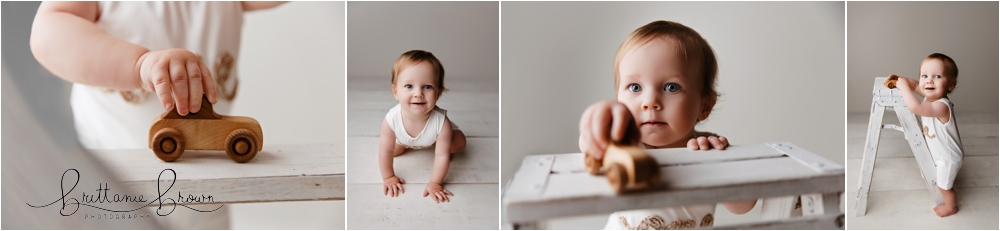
(551, 186)
(277, 173)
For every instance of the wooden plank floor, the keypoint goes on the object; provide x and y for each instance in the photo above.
(898, 199)
(473, 104)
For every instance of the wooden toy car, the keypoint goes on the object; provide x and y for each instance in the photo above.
(171, 134)
(626, 165)
(891, 81)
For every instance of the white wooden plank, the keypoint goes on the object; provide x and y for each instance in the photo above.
(477, 164)
(910, 210)
(806, 157)
(531, 178)
(272, 161)
(817, 204)
(278, 173)
(681, 156)
(474, 206)
(870, 153)
(243, 190)
(483, 123)
(897, 147)
(893, 174)
(967, 130)
(777, 208)
(582, 193)
(963, 117)
(824, 222)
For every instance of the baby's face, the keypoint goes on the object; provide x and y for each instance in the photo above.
(416, 90)
(934, 84)
(663, 98)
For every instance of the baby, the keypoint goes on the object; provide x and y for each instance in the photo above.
(938, 77)
(665, 78)
(417, 123)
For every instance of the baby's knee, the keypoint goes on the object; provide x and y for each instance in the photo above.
(457, 141)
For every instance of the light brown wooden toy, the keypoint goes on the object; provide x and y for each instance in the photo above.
(626, 165)
(171, 134)
(891, 81)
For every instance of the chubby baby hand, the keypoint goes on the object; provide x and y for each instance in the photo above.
(708, 142)
(437, 192)
(601, 123)
(178, 77)
(392, 186)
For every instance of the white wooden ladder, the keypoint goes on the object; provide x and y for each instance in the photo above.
(892, 99)
(551, 186)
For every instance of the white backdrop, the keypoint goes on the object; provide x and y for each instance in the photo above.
(781, 71)
(894, 37)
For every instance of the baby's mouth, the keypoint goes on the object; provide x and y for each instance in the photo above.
(929, 88)
(653, 123)
(419, 104)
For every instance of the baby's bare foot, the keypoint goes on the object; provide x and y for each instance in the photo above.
(943, 210)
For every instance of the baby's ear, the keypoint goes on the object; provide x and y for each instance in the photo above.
(393, 87)
(707, 103)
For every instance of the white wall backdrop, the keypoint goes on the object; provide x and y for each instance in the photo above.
(463, 35)
(781, 71)
(894, 37)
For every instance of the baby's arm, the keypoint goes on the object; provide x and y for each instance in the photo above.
(929, 109)
(391, 184)
(67, 42)
(442, 158)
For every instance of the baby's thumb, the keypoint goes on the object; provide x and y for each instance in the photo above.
(425, 193)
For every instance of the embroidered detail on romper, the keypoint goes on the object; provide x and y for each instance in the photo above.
(223, 70)
(927, 131)
(707, 221)
(657, 223)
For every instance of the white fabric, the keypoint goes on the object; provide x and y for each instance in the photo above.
(426, 137)
(103, 119)
(944, 144)
(684, 217)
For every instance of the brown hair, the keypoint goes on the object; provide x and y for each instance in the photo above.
(949, 67)
(415, 57)
(693, 49)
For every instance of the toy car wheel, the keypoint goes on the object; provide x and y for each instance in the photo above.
(168, 144)
(617, 177)
(241, 145)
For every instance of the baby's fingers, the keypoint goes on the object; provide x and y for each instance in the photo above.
(716, 143)
(208, 82)
(444, 197)
(179, 80)
(400, 186)
(703, 143)
(447, 192)
(196, 81)
(385, 190)
(693, 144)
(619, 122)
(160, 79)
(725, 142)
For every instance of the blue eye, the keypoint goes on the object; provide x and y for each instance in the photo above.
(672, 87)
(634, 88)
(923, 76)
(408, 86)
(937, 76)
(428, 87)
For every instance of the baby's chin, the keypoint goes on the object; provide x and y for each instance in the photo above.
(663, 140)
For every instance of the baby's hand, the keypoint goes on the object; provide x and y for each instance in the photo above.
(708, 142)
(393, 186)
(903, 84)
(178, 77)
(437, 192)
(601, 123)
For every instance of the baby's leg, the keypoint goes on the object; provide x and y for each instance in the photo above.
(950, 205)
(398, 150)
(457, 141)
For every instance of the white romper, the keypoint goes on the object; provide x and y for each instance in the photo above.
(109, 119)
(683, 217)
(427, 137)
(944, 144)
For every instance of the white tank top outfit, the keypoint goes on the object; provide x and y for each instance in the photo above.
(112, 119)
(945, 145)
(426, 137)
